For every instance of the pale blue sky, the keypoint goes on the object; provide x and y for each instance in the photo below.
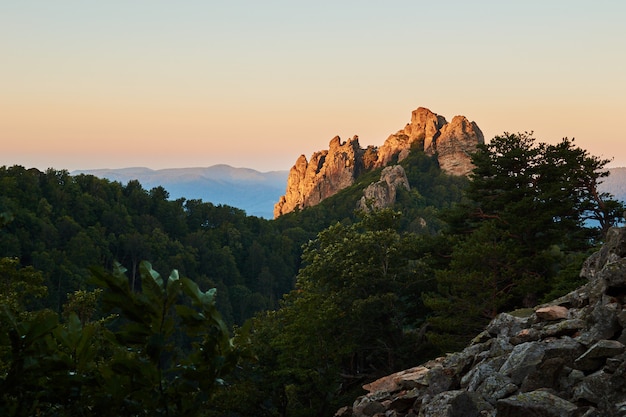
(94, 84)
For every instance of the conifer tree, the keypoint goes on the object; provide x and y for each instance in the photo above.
(527, 216)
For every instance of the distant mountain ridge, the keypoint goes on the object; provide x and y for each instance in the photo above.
(244, 188)
(250, 190)
(615, 183)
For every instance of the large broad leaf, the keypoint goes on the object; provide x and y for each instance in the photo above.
(42, 324)
(198, 297)
(151, 284)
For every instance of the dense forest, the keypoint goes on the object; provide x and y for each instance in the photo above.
(292, 315)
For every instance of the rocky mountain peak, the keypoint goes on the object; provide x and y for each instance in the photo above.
(456, 141)
(421, 132)
(332, 170)
(326, 173)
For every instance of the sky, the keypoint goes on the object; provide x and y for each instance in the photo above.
(161, 84)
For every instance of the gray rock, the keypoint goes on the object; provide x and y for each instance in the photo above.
(604, 349)
(507, 325)
(546, 375)
(621, 318)
(455, 404)
(604, 323)
(496, 387)
(594, 389)
(440, 379)
(620, 409)
(565, 348)
(535, 404)
(523, 360)
(614, 274)
(383, 193)
(614, 248)
(477, 375)
(501, 346)
(564, 328)
(404, 401)
(367, 407)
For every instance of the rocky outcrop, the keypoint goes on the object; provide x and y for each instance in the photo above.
(382, 193)
(456, 142)
(451, 142)
(421, 132)
(563, 359)
(328, 172)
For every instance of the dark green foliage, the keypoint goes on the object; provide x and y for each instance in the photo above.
(431, 191)
(356, 314)
(63, 225)
(368, 290)
(542, 194)
(486, 275)
(521, 233)
(164, 355)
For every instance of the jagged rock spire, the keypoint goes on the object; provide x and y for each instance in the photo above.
(332, 170)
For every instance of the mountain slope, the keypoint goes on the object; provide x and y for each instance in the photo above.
(564, 358)
(244, 188)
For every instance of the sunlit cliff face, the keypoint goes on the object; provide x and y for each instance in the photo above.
(332, 170)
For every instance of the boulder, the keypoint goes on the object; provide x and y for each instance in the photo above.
(455, 404)
(551, 313)
(382, 194)
(535, 404)
(409, 378)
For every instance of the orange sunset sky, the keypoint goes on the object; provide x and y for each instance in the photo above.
(164, 84)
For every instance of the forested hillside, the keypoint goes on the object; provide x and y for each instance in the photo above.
(293, 315)
(62, 225)
(247, 189)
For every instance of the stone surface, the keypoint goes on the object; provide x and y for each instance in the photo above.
(530, 364)
(328, 172)
(422, 132)
(535, 404)
(455, 404)
(458, 140)
(367, 407)
(395, 382)
(382, 194)
(551, 313)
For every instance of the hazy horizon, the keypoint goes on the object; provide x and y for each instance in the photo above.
(254, 85)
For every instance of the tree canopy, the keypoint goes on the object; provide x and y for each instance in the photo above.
(90, 328)
(532, 210)
(162, 351)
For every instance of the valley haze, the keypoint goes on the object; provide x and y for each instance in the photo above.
(250, 190)
(247, 189)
